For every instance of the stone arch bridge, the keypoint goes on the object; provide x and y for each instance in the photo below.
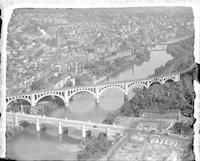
(65, 94)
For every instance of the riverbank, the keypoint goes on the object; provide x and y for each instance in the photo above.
(139, 59)
(108, 69)
(182, 53)
(127, 63)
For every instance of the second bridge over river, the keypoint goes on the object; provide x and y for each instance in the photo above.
(65, 94)
(17, 118)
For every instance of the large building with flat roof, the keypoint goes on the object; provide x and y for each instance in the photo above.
(167, 114)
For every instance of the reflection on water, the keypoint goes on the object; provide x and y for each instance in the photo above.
(48, 145)
(157, 58)
(31, 146)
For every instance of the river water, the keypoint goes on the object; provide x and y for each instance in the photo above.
(47, 145)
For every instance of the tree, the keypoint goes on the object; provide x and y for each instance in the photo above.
(88, 134)
(102, 142)
(95, 147)
(83, 156)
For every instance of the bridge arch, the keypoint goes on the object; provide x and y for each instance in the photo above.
(136, 85)
(51, 94)
(8, 101)
(106, 88)
(169, 80)
(19, 108)
(82, 90)
(155, 82)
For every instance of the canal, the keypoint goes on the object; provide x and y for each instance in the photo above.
(48, 146)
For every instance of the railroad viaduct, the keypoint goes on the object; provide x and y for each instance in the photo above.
(65, 94)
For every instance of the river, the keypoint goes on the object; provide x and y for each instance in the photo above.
(47, 145)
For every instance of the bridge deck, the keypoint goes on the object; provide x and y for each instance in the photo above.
(64, 122)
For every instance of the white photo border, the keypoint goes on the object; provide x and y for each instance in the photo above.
(7, 7)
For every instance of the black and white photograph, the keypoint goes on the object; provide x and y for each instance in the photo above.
(101, 83)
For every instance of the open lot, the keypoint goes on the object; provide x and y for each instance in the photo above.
(149, 148)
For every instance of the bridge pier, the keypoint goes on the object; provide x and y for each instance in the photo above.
(67, 103)
(33, 102)
(97, 107)
(66, 100)
(37, 125)
(125, 97)
(60, 131)
(97, 103)
(126, 89)
(21, 108)
(83, 135)
(107, 131)
(67, 111)
(65, 130)
(60, 138)
(97, 100)
(83, 131)
(97, 95)
(16, 121)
